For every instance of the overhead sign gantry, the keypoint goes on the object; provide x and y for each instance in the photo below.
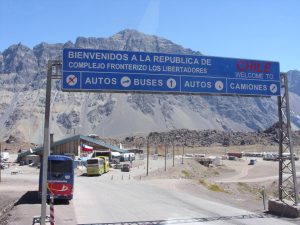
(124, 71)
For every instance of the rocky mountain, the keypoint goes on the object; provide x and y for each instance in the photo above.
(22, 81)
(206, 138)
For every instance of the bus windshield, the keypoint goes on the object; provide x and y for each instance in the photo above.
(58, 166)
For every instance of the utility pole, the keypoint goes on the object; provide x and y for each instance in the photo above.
(165, 157)
(177, 139)
(182, 154)
(0, 161)
(147, 156)
(173, 154)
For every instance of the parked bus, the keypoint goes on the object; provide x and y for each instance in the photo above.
(60, 177)
(95, 166)
(106, 163)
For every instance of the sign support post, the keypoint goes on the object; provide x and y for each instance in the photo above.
(288, 189)
(52, 69)
(148, 152)
(0, 160)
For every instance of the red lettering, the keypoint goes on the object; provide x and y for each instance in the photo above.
(240, 65)
(267, 67)
(256, 67)
(253, 66)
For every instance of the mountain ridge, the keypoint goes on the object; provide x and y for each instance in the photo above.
(23, 73)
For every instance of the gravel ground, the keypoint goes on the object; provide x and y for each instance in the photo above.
(13, 187)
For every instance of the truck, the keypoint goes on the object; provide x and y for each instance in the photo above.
(235, 154)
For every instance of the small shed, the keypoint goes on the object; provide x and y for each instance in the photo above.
(72, 146)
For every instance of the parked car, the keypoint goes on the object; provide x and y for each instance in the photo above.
(125, 168)
(252, 161)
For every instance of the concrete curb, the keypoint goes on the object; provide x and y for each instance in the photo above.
(283, 209)
(4, 212)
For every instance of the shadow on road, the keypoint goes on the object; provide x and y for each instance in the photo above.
(61, 202)
(188, 221)
(30, 197)
(83, 175)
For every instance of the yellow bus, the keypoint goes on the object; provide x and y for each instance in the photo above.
(106, 163)
(95, 166)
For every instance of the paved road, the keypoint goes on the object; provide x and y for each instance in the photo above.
(100, 200)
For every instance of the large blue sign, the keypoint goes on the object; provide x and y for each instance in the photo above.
(123, 71)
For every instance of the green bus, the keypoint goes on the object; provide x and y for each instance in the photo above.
(106, 163)
(95, 166)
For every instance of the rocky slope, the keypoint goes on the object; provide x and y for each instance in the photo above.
(22, 80)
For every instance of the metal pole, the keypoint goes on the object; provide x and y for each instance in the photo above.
(280, 139)
(173, 154)
(165, 157)
(288, 189)
(46, 143)
(264, 197)
(52, 219)
(147, 156)
(288, 118)
(182, 154)
(0, 161)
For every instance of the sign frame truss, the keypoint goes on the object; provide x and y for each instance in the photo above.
(288, 189)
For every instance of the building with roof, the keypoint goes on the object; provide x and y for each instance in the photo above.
(72, 146)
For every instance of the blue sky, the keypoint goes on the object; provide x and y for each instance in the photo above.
(252, 29)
